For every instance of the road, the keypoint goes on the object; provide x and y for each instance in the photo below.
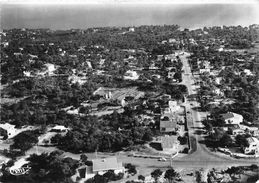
(202, 156)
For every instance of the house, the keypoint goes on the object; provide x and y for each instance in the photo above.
(218, 80)
(218, 92)
(172, 40)
(248, 72)
(59, 129)
(167, 125)
(119, 94)
(131, 75)
(145, 119)
(11, 130)
(204, 70)
(232, 118)
(131, 29)
(104, 92)
(101, 166)
(169, 142)
(254, 132)
(253, 146)
(173, 106)
(235, 130)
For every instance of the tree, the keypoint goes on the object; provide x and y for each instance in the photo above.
(156, 174)
(208, 126)
(147, 135)
(241, 141)
(217, 134)
(142, 178)
(25, 140)
(131, 168)
(226, 141)
(83, 158)
(234, 171)
(170, 175)
(110, 175)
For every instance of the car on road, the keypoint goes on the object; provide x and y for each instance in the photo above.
(162, 159)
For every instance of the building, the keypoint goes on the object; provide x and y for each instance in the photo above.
(218, 80)
(235, 130)
(169, 142)
(101, 166)
(131, 75)
(11, 130)
(167, 125)
(119, 94)
(173, 106)
(172, 40)
(59, 129)
(204, 71)
(253, 146)
(131, 29)
(218, 92)
(232, 118)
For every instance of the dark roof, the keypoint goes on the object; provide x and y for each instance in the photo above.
(167, 124)
(227, 115)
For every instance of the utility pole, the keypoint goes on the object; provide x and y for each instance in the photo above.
(171, 163)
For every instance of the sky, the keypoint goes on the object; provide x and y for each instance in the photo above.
(68, 16)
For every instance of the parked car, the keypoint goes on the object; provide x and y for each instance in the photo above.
(162, 159)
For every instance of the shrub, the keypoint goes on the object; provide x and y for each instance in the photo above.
(185, 150)
(131, 168)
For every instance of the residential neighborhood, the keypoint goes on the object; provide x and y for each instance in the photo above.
(128, 104)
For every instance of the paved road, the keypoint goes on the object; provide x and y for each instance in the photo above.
(202, 156)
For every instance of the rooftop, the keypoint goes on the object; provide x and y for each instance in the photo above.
(110, 163)
(167, 124)
(251, 140)
(227, 115)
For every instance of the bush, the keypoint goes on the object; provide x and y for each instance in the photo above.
(183, 140)
(131, 168)
(25, 140)
(185, 150)
(254, 167)
(3, 133)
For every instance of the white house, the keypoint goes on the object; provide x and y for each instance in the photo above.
(172, 40)
(204, 70)
(131, 29)
(218, 92)
(131, 75)
(12, 131)
(248, 72)
(253, 145)
(101, 166)
(218, 80)
(232, 118)
(59, 128)
(173, 106)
